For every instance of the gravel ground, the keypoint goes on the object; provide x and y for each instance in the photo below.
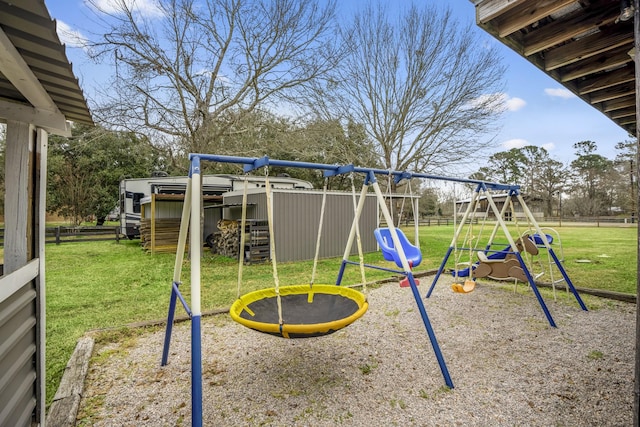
(508, 366)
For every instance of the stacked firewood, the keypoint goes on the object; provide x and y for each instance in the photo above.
(164, 237)
(227, 240)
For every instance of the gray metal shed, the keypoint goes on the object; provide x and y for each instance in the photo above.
(296, 216)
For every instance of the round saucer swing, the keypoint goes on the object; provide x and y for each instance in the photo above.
(308, 310)
(296, 311)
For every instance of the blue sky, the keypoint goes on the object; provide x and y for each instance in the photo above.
(540, 111)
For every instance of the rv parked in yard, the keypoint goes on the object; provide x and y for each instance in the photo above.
(133, 190)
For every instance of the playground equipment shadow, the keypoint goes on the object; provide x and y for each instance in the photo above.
(508, 366)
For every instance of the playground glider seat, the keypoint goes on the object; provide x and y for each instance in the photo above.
(390, 253)
(504, 264)
(553, 242)
(553, 238)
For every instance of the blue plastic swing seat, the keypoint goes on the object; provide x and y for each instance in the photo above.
(537, 239)
(389, 252)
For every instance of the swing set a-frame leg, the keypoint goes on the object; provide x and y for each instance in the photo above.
(536, 291)
(430, 332)
(568, 281)
(440, 270)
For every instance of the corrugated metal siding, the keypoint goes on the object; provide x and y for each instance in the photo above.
(296, 225)
(167, 209)
(17, 353)
(296, 217)
(256, 209)
(211, 218)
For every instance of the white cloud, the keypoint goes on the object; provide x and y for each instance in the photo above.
(515, 143)
(559, 93)
(146, 8)
(549, 146)
(514, 104)
(69, 36)
(497, 102)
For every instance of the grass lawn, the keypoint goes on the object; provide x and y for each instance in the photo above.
(107, 284)
(612, 252)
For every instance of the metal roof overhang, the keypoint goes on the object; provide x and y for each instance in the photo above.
(37, 83)
(583, 45)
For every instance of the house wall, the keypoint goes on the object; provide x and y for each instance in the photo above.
(22, 287)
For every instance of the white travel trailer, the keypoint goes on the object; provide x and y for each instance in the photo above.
(134, 190)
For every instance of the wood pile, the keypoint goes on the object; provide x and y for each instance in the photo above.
(227, 241)
(165, 239)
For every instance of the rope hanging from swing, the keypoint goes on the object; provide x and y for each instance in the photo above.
(469, 283)
(297, 311)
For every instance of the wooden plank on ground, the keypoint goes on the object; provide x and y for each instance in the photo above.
(66, 402)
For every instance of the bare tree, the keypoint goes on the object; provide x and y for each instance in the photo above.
(187, 72)
(423, 86)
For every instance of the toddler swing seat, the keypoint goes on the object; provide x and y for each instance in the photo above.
(390, 253)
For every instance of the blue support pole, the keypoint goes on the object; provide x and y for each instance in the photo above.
(566, 278)
(536, 291)
(376, 267)
(196, 372)
(430, 332)
(196, 310)
(341, 272)
(169, 328)
(440, 270)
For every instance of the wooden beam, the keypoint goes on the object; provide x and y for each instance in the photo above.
(16, 70)
(626, 121)
(612, 93)
(10, 283)
(602, 62)
(19, 143)
(530, 12)
(626, 112)
(603, 81)
(563, 30)
(618, 104)
(489, 9)
(153, 223)
(66, 402)
(40, 208)
(52, 122)
(586, 47)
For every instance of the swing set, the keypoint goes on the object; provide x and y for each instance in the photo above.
(297, 311)
(307, 310)
(507, 261)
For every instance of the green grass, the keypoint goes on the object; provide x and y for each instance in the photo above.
(96, 285)
(615, 272)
